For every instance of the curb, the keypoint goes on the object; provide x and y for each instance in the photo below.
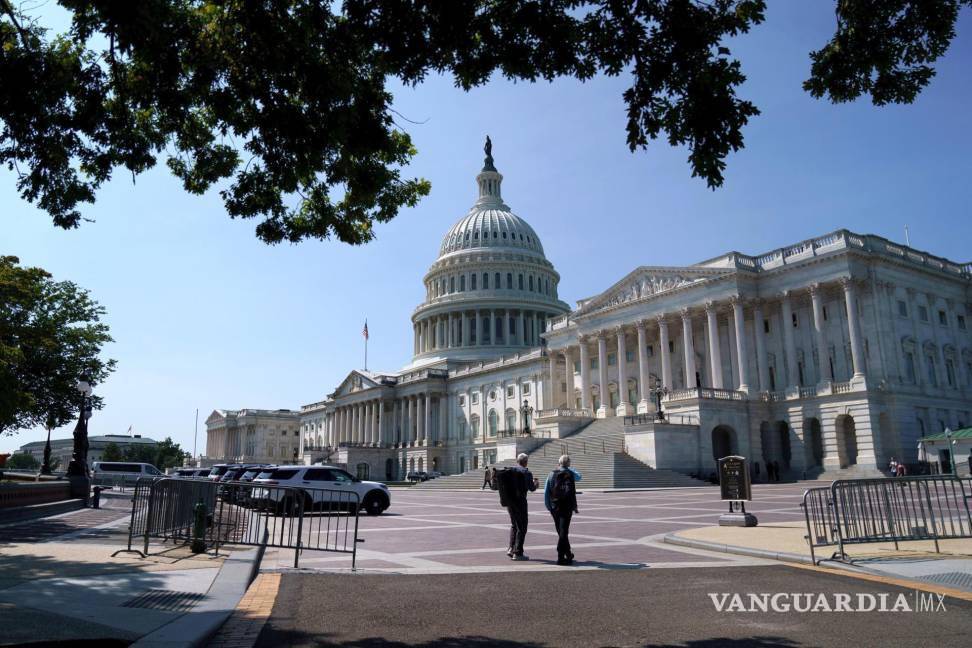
(781, 556)
(35, 511)
(196, 626)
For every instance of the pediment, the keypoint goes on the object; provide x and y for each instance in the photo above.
(216, 417)
(646, 282)
(355, 382)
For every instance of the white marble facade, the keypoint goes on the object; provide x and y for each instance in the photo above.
(252, 436)
(830, 355)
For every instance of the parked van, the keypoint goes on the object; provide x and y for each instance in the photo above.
(113, 472)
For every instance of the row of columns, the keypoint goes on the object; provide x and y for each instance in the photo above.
(454, 330)
(368, 422)
(741, 342)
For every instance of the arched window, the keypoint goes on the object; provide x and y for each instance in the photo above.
(485, 281)
(521, 282)
(452, 284)
(531, 283)
(461, 427)
(462, 283)
(496, 281)
(472, 279)
(546, 289)
(493, 422)
(510, 420)
(474, 425)
(509, 281)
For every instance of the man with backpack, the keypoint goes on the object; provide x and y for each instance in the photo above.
(513, 485)
(560, 498)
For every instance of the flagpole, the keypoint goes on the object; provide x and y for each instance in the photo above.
(366, 345)
(195, 435)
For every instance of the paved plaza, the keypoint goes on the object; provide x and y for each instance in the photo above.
(459, 531)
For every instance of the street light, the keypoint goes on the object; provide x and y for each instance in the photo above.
(77, 470)
(526, 410)
(951, 451)
(46, 468)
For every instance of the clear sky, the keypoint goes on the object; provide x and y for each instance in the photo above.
(205, 316)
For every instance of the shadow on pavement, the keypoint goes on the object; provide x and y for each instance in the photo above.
(273, 637)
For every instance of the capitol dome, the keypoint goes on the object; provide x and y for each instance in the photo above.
(491, 289)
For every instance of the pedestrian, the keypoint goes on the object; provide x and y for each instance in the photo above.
(518, 481)
(901, 470)
(776, 471)
(893, 467)
(486, 479)
(560, 498)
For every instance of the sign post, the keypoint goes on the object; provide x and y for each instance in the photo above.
(736, 488)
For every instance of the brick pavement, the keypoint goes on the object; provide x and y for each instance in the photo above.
(243, 627)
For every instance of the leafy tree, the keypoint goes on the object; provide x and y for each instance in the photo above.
(111, 453)
(283, 103)
(22, 461)
(165, 454)
(50, 336)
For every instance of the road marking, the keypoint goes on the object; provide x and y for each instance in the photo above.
(890, 580)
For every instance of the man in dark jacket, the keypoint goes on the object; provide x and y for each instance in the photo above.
(560, 498)
(516, 506)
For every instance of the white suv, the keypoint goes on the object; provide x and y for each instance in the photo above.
(374, 497)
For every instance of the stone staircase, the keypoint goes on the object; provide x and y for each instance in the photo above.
(596, 451)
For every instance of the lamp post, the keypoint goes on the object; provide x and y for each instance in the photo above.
(77, 471)
(526, 411)
(951, 451)
(658, 392)
(46, 467)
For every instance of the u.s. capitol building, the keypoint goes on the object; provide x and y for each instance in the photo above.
(829, 356)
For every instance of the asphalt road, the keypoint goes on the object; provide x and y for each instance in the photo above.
(637, 607)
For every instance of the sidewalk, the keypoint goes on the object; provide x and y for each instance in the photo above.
(59, 581)
(785, 541)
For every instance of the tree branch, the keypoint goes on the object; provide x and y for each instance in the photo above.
(9, 10)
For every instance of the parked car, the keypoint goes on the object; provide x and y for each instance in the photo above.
(434, 474)
(373, 497)
(417, 476)
(109, 472)
(218, 470)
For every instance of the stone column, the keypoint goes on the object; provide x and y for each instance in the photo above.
(354, 424)
(689, 345)
(624, 407)
(382, 424)
(412, 419)
(443, 433)
(602, 375)
(666, 359)
(789, 347)
(643, 396)
(415, 339)
(742, 348)
(569, 378)
(762, 362)
(523, 337)
(419, 419)
(585, 374)
(552, 359)
(823, 353)
(854, 327)
(492, 327)
(366, 423)
(715, 351)
(479, 328)
(427, 427)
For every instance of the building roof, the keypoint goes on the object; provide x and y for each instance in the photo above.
(118, 439)
(962, 433)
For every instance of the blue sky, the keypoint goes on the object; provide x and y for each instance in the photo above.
(205, 316)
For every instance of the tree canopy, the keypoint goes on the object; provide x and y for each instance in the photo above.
(50, 337)
(166, 454)
(284, 103)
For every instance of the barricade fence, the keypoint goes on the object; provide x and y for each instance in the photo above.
(243, 513)
(895, 509)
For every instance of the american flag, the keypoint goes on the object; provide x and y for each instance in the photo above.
(364, 331)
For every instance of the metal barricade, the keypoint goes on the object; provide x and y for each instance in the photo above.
(139, 519)
(896, 509)
(242, 513)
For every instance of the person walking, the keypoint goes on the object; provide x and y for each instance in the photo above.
(486, 478)
(893, 467)
(560, 498)
(517, 482)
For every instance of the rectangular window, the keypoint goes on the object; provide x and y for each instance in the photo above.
(462, 401)
(509, 391)
(766, 326)
(910, 368)
(943, 318)
(961, 321)
(650, 350)
(612, 360)
(593, 363)
(671, 346)
(824, 313)
(923, 313)
(629, 356)
(577, 366)
(796, 320)
(475, 398)
(902, 308)
(526, 389)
